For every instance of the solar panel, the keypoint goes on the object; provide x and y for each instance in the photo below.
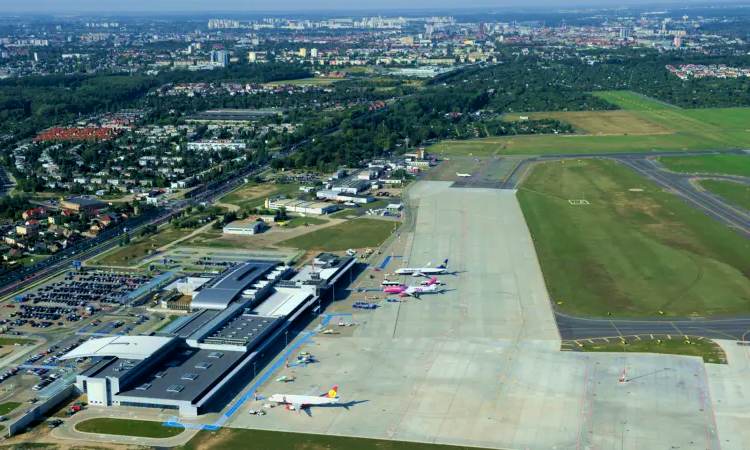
(203, 365)
(215, 355)
(190, 376)
(175, 388)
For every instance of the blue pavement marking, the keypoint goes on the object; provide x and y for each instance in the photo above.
(251, 392)
(386, 261)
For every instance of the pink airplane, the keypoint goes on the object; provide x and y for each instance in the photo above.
(414, 291)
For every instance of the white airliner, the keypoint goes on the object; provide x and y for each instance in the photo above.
(413, 291)
(424, 271)
(463, 175)
(298, 402)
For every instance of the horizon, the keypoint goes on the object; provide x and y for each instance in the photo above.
(175, 7)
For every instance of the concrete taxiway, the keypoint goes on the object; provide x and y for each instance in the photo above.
(480, 364)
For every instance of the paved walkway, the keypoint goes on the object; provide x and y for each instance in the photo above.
(68, 431)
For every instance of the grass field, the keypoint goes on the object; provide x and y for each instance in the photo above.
(631, 101)
(736, 193)
(126, 427)
(232, 438)
(715, 164)
(355, 233)
(702, 348)
(630, 253)
(253, 194)
(14, 341)
(554, 144)
(605, 122)
(138, 247)
(316, 81)
(7, 407)
(301, 221)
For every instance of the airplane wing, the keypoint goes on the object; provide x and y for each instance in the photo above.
(297, 406)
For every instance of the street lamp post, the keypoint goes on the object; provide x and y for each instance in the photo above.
(254, 373)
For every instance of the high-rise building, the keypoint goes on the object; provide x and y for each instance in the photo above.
(624, 33)
(303, 52)
(252, 57)
(314, 53)
(220, 57)
(677, 42)
(481, 27)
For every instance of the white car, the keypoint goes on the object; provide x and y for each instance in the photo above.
(257, 412)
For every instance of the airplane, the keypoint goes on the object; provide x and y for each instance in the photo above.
(463, 175)
(299, 402)
(414, 291)
(424, 271)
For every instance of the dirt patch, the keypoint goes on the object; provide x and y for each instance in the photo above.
(625, 206)
(212, 440)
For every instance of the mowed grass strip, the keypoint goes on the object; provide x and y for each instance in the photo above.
(736, 193)
(574, 144)
(254, 194)
(676, 346)
(594, 122)
(709, 164)
(631, 101)
(630, 252)
(127, 427)
(355, 233)
(233, 438)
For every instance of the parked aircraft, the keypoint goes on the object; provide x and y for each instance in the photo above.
(413, 291)
(298, 402)
(424, 271)
(463, 175)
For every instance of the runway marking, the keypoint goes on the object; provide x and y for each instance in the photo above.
(678, 330)
(638, 337)
(591, 341)
(583, 403)
(615, 327)
(652, 336)
(711, 402)
(669, 337)
(606, 339)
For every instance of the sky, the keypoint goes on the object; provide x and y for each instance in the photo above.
(71, 6)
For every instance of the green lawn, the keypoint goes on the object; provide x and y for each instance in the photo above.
(168, 320)
(14, 341)
(716, 164)
(678, 346)
(736, 193)
(7, 407)
(565, 144)
(630, 253)
(126, 427)
(301, 221)
(316, 81)
(629, 100)
(356, 233)
(233, 438)
(130, 254)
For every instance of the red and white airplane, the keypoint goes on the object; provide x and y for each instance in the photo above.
(413, 291)
(298, 402)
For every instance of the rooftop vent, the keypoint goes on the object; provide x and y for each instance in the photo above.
(203, 365)
(175, 388)
(190, 376)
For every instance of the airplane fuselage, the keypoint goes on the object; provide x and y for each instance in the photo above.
(422, 271)
(303, 400)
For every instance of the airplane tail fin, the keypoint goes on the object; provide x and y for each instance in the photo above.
(432, 281)
(333, 393)
(444, 265)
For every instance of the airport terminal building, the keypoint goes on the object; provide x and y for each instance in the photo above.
(239, 315)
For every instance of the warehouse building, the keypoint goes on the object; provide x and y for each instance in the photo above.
(81, 204)
(350, 185)
(343, 197)
(205, 355)
(244, 227)
(302, 206)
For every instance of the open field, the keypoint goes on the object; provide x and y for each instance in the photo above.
(630, 253)
(356, 233)
(316, 81)
(736, 193)
(702, 348)
(127, 427)
(631, 101)
(253, 194)
(714, 164)
(605, 122)
(14, 341)
(231, 439)
(301, 221)
(7, 407)
(138, 247)
(554, 144)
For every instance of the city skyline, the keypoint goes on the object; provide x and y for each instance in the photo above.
(282, 6)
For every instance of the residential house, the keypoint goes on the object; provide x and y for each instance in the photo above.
(29, 228)
(13, 255)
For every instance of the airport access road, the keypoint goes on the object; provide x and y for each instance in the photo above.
(575, 327)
